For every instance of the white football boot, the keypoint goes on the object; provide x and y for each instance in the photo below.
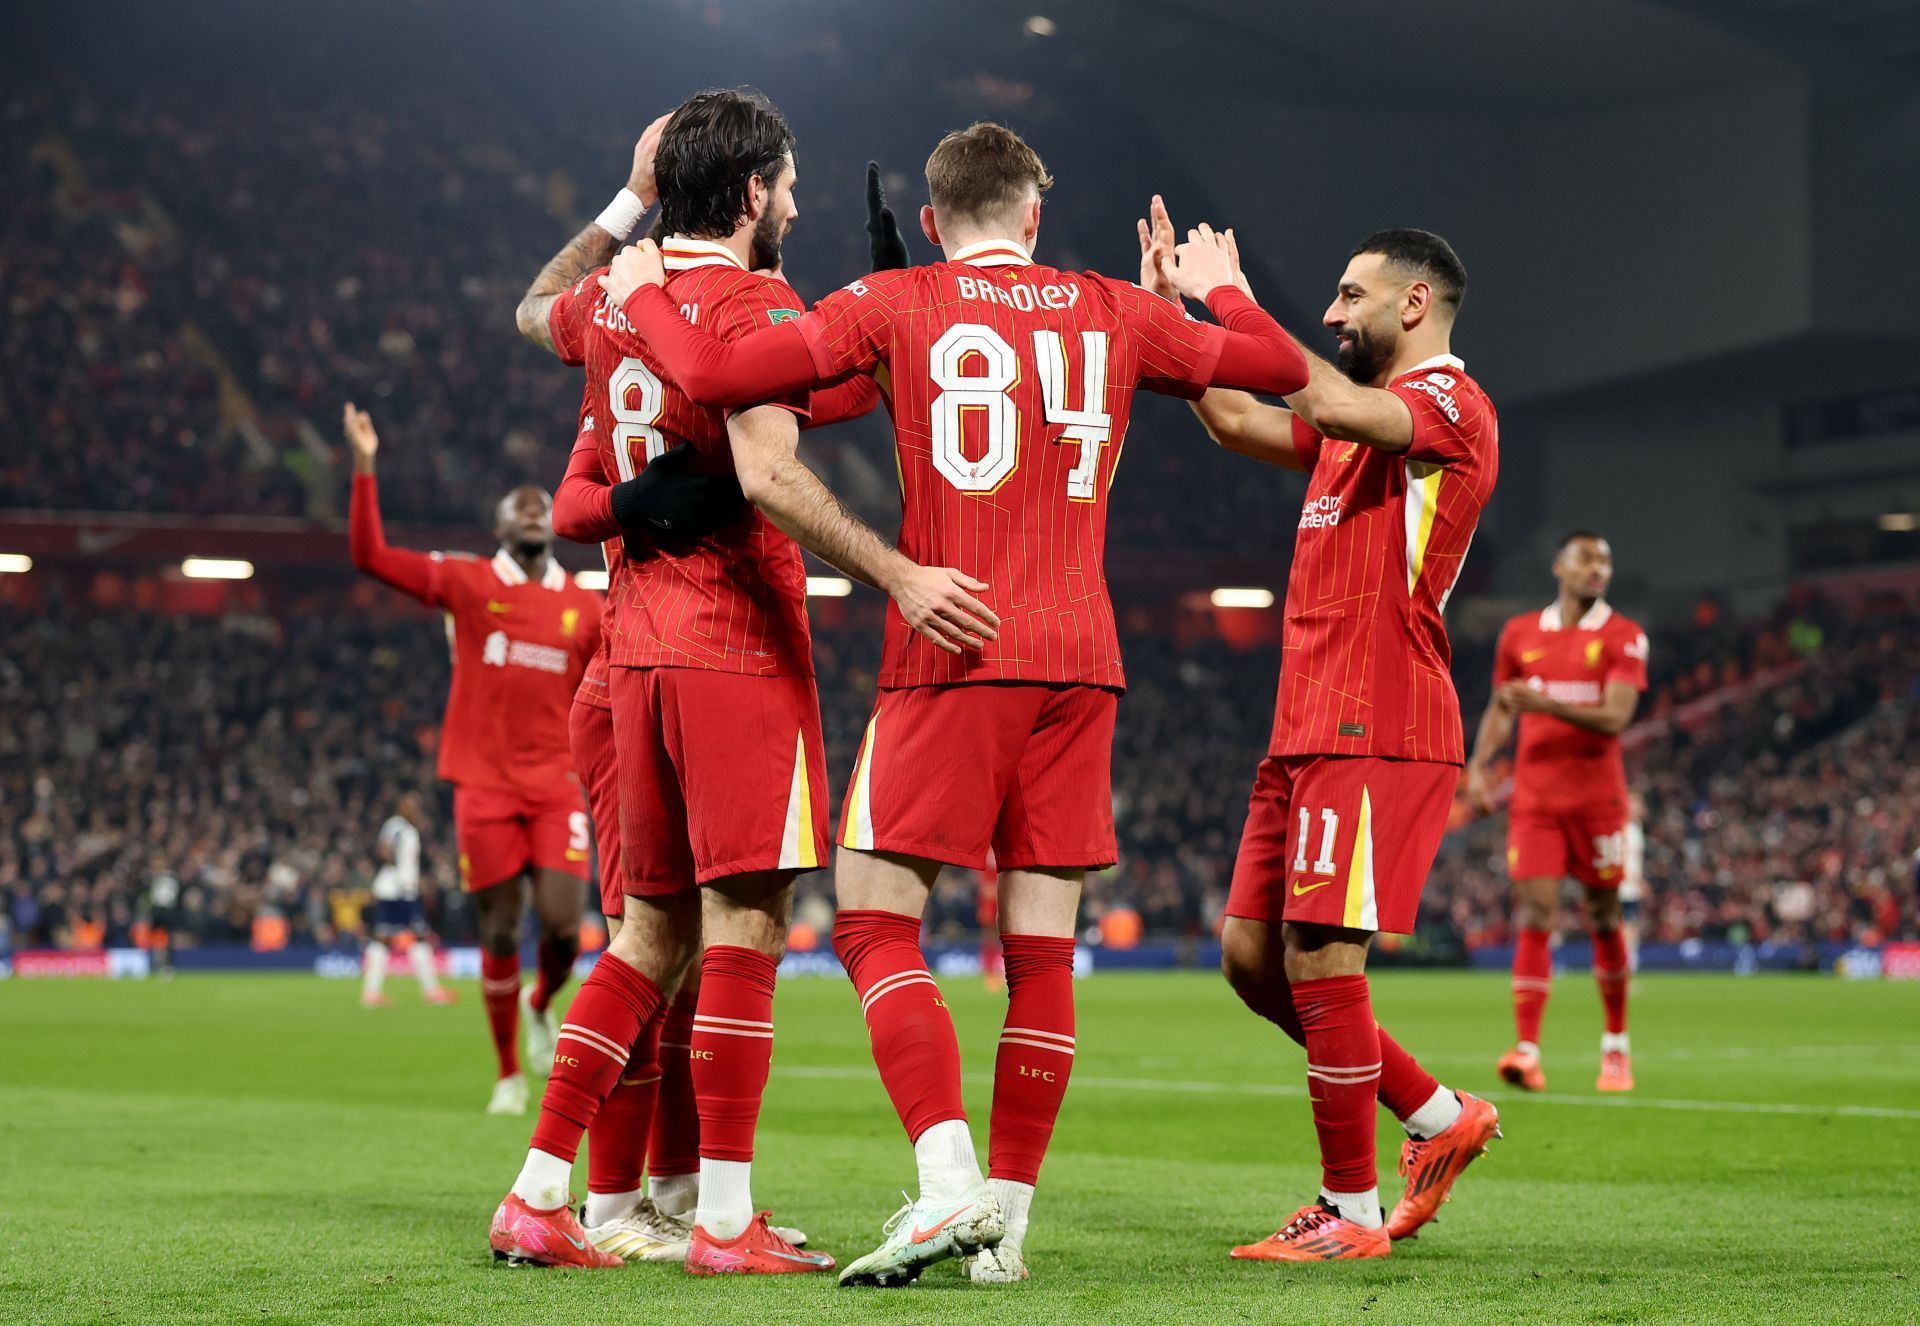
(543, 1034)
(644, 1234)
(509, 1095)
(1003, 1265)
(922, 1233)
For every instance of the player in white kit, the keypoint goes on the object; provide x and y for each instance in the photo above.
(396, 908)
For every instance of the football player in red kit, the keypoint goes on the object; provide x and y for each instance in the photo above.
(716, 725)
(1010, 384)
(1401, 451)
(522, 633)
(1569, 677)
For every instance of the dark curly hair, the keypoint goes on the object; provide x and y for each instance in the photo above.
(712, 146)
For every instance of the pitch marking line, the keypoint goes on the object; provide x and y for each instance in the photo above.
(1195, 1088)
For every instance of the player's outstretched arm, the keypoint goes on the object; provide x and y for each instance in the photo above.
(773, 361)
(1233, 419)
(409, 572)
(937, 601)
(595, 245)
(1610, 717)
(1256, 354)
(1496, 729)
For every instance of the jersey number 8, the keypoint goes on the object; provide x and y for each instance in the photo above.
(636, 397)
(987, 394)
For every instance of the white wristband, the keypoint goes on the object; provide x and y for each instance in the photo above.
(622, 214)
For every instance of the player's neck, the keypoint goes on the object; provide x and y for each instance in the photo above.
(533, 563)
(1574, 608)
(950, 244)
(1413, 350)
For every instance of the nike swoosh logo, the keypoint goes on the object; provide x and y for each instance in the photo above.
(920, 1235)
(805, 1259)
(1532, 654)
(493, 605)
(1298, 891)
(578, 1243)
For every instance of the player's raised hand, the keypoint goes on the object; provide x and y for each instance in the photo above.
(641, 179)
(1233, 256)
(939, 603)
(1202, 264)
(1156, 250)
(634, 266)
(360, 436)
(886, 246)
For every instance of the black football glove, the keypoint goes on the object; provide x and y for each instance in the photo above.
(669, 501)
(885, 244)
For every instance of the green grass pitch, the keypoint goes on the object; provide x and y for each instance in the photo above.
(259, 1149)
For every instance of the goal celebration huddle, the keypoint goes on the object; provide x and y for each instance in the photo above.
(683, 710)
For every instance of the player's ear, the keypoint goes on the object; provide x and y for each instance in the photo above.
(756, 197)
(1030, 224)
(1416, 304)
(928, 227)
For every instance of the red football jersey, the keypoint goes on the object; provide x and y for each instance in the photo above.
(1364, 653)
(736, 601)
(1559, 766)
(519, 651)
(1010, 384)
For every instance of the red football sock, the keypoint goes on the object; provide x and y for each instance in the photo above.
(675, 1145)
(500, 992)
(1532, 982)
(1611, 970)
(596, 1041)
(913, 1042)
(732, 1047)
(1036, 1055)
(1404, 1085)
(1343, 1077)
(555, 957)
(617, 1137)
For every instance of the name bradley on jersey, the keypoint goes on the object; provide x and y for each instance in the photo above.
(1019, 295)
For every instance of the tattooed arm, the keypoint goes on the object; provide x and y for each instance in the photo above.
(591, 248)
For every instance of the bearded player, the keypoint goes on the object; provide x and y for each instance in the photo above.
(648, 1123)
(1010, 384)
(1570, 677)
(1348, 808)
(716, 725)
(522, 633)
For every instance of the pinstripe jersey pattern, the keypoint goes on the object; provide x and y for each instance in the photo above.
(1005, 453)
(1365, 658)
(736, 602)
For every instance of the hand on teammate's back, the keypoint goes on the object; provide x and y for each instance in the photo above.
(668, 498)
(939, 603)
(1203, 264)
(634, 266)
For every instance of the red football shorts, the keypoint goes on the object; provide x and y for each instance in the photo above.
(1024, 769)
(502, 835)
(590, 733)
(720, 774)
(1589, 845)
(1341, 840)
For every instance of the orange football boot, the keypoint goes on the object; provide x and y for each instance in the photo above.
(527, 1236)
(1432, 1166)
(1318, 1233)
(1616, 1072)
(757, 1251)
(1522, 1069)
(441, 995)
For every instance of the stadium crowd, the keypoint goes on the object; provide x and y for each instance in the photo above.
(252, 760)
(224, 267)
